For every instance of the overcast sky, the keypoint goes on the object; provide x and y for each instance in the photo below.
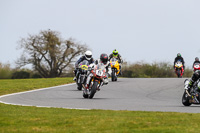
(141, 30)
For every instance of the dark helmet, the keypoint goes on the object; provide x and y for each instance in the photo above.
(104, 58)
(196, 59)
(178, 55)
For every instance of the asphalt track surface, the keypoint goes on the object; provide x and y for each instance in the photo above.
(135, 94)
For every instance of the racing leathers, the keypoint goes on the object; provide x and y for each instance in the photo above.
(196, 62)
(118, 57)
(120, 61)
(108, 72)
(82, 58)
(194, 78)
(179, 58)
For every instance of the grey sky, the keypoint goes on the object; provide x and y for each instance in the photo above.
(148, 30)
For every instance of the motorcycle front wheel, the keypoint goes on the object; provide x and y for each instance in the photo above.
(93, 89)
(113, 75)
(179, 73)
(185, 99)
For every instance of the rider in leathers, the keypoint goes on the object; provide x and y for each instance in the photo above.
(179, 58)
(103, 59)
(116, 55)
(88, 57)
(194, 78)
(196, 61)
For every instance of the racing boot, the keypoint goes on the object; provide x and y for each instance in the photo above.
(105, 81)
(191, 82)
(120, 72)
(75, 72)
(198, 87)
(188, 85)
(86, 90)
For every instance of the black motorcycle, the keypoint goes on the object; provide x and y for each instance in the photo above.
(192, 96)
(81, 75)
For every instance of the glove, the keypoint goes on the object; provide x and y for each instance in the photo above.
(91, 66)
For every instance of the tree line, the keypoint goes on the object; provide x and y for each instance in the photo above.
(52, 56)
(153, 70)
(134, 70)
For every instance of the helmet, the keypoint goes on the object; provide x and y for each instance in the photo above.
(178, 54)
(88, 55)
(104, 58)
(115, 52)
(196, 59)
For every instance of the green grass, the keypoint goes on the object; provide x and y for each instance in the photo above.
(8, 86)
(33, 119)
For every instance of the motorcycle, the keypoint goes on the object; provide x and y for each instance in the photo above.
(81, 75)
(115, 68)
(196, 67)
(192, 97)
(96, 81)
(179, 69)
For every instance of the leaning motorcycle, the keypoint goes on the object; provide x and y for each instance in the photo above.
(81, 75)
(115, 68)
(196, 67)
(179, 69)
(192, 96)
(96, 81)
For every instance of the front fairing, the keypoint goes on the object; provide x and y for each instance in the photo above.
(114, 63)
(83, 67)
(178, 64)
(99, 71)
(196, 66)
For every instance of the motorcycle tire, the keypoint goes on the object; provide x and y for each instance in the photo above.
(179, 73)
(79, 87)
(185, 100)
(80, 83)
(93, 89)
(113, 75)
(85, 95)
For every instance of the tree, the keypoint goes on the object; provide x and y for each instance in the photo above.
(48, 53)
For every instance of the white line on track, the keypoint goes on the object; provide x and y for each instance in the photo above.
(38, 90)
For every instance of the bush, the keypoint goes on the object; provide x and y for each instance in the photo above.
(21, 75)
(36, 75)
(5, 71)
(154, 70)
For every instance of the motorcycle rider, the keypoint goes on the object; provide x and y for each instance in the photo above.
(116, 55)
(88, 57)
(103, 59)
(196, 61)
(194, 78)
(179, 58)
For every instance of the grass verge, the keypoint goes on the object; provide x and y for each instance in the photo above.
(8, 86)
(33, 119)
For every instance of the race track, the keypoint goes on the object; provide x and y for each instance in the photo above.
(138, 94)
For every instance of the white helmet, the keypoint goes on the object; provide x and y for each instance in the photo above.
(88, 55)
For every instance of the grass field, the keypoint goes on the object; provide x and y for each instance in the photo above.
(33, 119)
